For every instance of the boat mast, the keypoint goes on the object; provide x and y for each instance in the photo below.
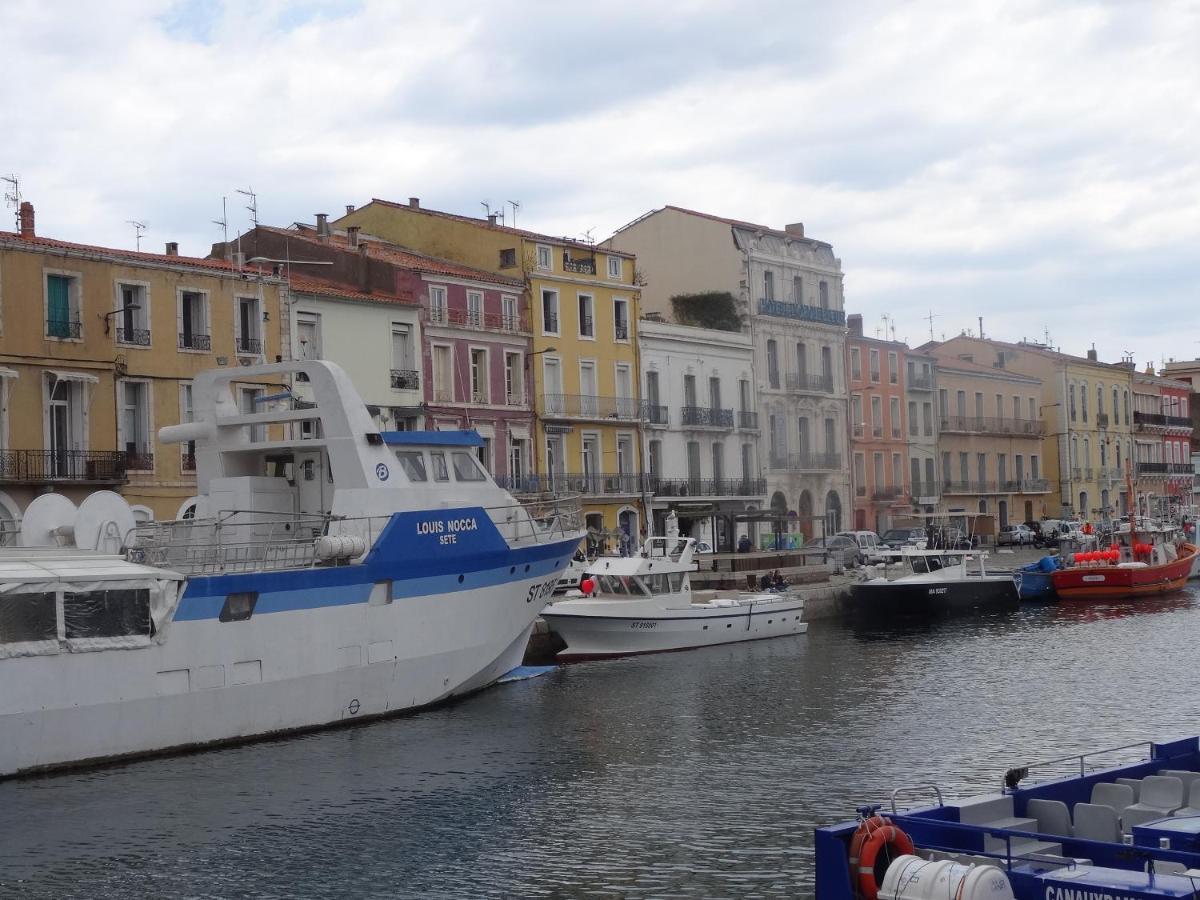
(1132, 507)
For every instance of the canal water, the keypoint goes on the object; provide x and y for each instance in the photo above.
(695, 774)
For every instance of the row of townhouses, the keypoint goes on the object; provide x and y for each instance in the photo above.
(692, 368)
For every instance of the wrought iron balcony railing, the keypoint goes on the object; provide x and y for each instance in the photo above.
(805, 381)
(993, 425)
(621, 331)
(139, 337)
(704, 417)
(747, 421)
(590, 406)
(656, 414)
(706, 487)
(792, 462)
(476, 319)
(41, 466)
(405, 379)
(249, 345)
(579, 266)
(1164, 468)
(195, 341)
(801, 311)
(887, 493)
(64, 328)
(920, 383)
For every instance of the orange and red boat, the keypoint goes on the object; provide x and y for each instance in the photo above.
(1126, 580)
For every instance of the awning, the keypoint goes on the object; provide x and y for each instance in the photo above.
(74, 376)
(518, 432)
(9, 373)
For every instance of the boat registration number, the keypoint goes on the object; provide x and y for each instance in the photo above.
(636, 625)
(1093, 577)
(540, 592)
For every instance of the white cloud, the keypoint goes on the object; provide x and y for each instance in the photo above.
(1032, 162)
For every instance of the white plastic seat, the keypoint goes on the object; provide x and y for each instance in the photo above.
(1193, 804)
(1160, 793)
(1115, 796)
(1052, 816)
(1187, 777)
(1134, 816)
(1135, 783)
(1096, 822)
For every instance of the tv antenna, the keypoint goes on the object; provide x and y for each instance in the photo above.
(587, 236)
(12, 195)
(253, 205)
(487, 208)
(138, 228)
(515, 204)
(931, 317)
(223, 222)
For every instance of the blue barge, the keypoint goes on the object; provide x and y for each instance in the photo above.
(1105, 832)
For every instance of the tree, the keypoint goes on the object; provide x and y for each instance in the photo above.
(710, 309)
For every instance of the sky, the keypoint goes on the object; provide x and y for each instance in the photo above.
(1033, 163)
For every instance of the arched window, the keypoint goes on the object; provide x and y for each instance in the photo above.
(833, 513)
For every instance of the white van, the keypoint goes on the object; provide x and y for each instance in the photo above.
(872, 547)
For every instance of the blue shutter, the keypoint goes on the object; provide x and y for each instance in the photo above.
(58, 307)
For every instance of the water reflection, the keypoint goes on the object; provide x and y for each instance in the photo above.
(693, 774)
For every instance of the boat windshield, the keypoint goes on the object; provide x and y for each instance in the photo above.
(621, 585)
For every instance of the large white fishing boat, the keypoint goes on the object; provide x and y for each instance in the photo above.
(330, 574)
(645, 604)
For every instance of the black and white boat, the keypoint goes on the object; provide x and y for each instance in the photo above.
(931, 583)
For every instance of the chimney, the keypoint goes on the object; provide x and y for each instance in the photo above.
(323, 226)
(25, 215)
(1092, 355)
(492, 218)
(172, 248)
(352, 235)
(853, 321)
(364, 268)
(796, 229)
(349, 208)
(414, 202)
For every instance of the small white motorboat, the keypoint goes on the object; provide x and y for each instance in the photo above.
(645, 604)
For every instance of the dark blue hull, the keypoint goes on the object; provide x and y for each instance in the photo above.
(1035, 587)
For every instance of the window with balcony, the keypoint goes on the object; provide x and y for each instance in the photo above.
(894, 415)
(827, 368)
(927, 419)
(404, 374)
(135, 438)
(614, 268)
(479, 376)
(1083, 402)
(981, 467)
(999, 406)
(620, 319)
(772, 364)
(718, 461)
(823, 294)
(308, 335)
(475, 309)
(1071, 400)
(768, 285)
(443, 373)
(133, 314)
(878, 471)
(550, 312)
(804, 442)
(979, 406)
(912, 418)
(510, 317)
(856, 414)
(655, 460)
(689, 391)
(63, 306)
(930, 481)
(64, 414)
(874, 358)
(860, 474)
(587, 323)
(514, 379)
(914, 478)
(946, 472)
(194, 330)
(876, 417)
(855, 364)
(964, 467)
(248, 327)
(714, 392)
(693, 460)
(797, 289)
(893, 367)
(438, 314)
(187, 413)
(898, 472)
(831, 441)
(545, 258)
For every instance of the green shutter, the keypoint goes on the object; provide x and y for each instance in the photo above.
(58, 307)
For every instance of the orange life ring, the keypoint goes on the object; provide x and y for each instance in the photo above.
(874, 836)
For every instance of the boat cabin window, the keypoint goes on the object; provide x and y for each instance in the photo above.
(918, 565)
(440, 472)
(106, 613)
(28, 617)
(611, 584)
(466, 467)
(657, 583)
(675, 580)
(413, 464)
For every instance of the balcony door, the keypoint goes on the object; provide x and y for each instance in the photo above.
(589, 403)
(552, 385)
(555, 460)
(624, 391)
(64, 429)
(590, 452)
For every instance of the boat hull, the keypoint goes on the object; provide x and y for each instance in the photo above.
(598, 636)
(896, 599)
(1035, 586)
(336, 657)
(1117, 583)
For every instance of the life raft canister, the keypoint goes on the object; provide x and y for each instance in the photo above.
(875, 844)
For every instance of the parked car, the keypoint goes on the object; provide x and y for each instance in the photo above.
(1015, 535)
(869, 543)
(840, 550)
(905, 537)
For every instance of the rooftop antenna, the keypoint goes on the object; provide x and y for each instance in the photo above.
(981, 328)
(515, 204)
(1046, 328)
(587, 236)
(223, 222)
(12, 195)
(487, 208)
(253, 205)
(931, 317)
(138, 228)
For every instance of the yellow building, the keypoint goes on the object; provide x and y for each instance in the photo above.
(583, 362)
(98, 347)
(1088, 411)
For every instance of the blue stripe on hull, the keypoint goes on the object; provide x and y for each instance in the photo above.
(478, 559)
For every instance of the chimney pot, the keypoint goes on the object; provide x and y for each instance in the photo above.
(352, 235)
(414, 202)
(492, 218)
(323, 226)
(854, 322)
(796, 229)
(349, 208)
(25, 214)
(1092, 355)
(172, 248)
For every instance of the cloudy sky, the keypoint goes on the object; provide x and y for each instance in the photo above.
(1036, 163)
